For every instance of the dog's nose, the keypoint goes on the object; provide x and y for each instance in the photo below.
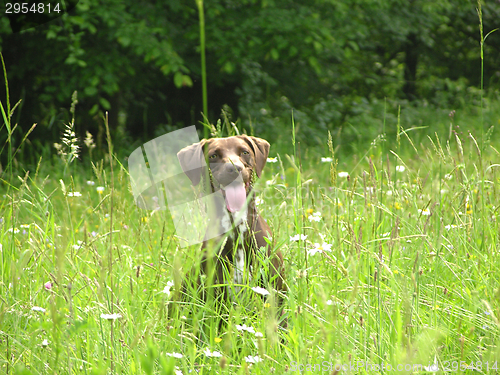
(233, 168)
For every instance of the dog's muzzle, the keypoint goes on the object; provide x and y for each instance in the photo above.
(232, 185)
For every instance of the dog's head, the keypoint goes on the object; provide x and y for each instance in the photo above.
(232, 161)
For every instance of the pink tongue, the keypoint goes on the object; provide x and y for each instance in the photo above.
(235, 196)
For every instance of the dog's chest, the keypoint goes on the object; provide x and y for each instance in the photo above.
(240, 268)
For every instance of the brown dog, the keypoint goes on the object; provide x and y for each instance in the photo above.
(234, 224)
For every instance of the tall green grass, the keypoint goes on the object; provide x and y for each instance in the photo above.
(410, 278)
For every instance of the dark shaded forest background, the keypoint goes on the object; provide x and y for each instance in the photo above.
(335, 63)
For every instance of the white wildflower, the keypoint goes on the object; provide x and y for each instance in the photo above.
(319, 248)
(425, 212)
(298, 237)
(244, 327)
(167, 288)
(111, 316)
(253, 359)
(78, 245)
(174, 354)
(315, 217)
(208, 353)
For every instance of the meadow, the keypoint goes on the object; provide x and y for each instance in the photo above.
(392, 263)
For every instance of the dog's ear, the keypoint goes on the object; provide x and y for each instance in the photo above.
(192, 160)
(261, 151)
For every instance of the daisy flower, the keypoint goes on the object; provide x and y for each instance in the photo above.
(215, 353)
(174, 354)
(319, 248)
(425, 212)
(315, 217)
(111, 316)
(253, 359)
(244, 327)
(298, 237)
(252, 330)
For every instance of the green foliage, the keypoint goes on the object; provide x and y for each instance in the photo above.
(330, 58)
